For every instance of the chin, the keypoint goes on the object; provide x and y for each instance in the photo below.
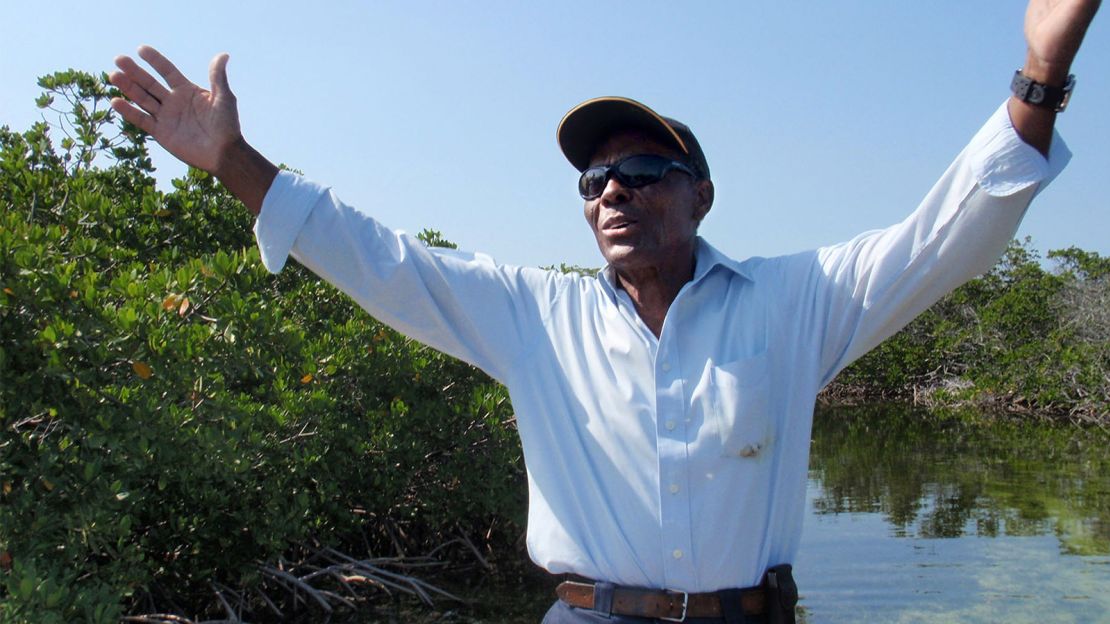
(626, 257)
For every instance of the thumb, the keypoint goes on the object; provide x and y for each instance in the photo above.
(217, 76)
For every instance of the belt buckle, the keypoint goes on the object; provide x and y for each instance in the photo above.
(685, 600)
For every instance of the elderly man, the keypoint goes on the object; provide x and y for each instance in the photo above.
(665, 406)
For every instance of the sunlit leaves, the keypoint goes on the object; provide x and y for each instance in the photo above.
(1022, 337)
(174, 414)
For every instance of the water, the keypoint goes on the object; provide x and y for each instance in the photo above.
(917, 519)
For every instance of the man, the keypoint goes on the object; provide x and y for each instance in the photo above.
(664, 407)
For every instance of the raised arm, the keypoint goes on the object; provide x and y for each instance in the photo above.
(1054, 29)
(198, 126)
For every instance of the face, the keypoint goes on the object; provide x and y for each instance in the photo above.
(651, 227)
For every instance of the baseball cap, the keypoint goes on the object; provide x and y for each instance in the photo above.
(591, 122)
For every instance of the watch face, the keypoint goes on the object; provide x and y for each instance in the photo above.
(1028, 90)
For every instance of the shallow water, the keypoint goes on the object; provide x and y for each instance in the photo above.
(917, 519)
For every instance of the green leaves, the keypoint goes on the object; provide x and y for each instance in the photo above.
(172, 414)
(1021, 337)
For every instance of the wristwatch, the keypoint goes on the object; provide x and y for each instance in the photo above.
(1039, 94)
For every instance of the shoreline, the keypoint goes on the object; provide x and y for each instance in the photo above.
(962, 398)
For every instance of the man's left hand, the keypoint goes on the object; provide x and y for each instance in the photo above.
(1053, 31)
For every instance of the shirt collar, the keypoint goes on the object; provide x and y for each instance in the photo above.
(707, 257)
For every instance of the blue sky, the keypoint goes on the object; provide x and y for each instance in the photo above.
(820, 120)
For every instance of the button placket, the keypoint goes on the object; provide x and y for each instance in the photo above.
(673, 497)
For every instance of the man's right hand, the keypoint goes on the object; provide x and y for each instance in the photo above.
(194, 124)
(198, 126)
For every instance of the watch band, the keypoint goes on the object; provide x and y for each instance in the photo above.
(1039, 94)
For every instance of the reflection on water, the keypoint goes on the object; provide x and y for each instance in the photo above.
(917, 519)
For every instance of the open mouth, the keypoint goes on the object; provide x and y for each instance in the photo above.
(618, 224)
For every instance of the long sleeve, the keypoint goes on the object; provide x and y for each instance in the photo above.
(872, 286)
(461, 303)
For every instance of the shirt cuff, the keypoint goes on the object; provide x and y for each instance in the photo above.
(1004, 164)
(284, 211)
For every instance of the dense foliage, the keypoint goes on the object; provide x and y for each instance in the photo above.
(1020, 338)
(173, 416)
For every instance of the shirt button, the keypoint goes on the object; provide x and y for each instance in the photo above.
(677, 554)
(674, 488)
(669, 425)
(666, 367)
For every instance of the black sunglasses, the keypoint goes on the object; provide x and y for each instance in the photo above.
(632, 172)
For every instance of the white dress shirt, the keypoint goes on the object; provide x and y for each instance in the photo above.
(678, 462)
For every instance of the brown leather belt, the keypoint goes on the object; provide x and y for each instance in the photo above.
(661, 604)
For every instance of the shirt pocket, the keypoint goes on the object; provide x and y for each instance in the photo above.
(741, 407)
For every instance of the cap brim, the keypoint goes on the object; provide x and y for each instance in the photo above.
(591, 122)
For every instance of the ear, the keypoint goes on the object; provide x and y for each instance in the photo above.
(704, 189)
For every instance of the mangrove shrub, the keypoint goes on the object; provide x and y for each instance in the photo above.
(172, 416)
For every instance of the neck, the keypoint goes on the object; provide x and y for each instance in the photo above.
(653, 289)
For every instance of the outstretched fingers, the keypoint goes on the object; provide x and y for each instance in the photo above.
(145, 92)
(133, 115)
(142, 89)
(134, 91)
(140, 78)
(163, 66)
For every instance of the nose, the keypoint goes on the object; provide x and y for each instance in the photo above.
(615, 193)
